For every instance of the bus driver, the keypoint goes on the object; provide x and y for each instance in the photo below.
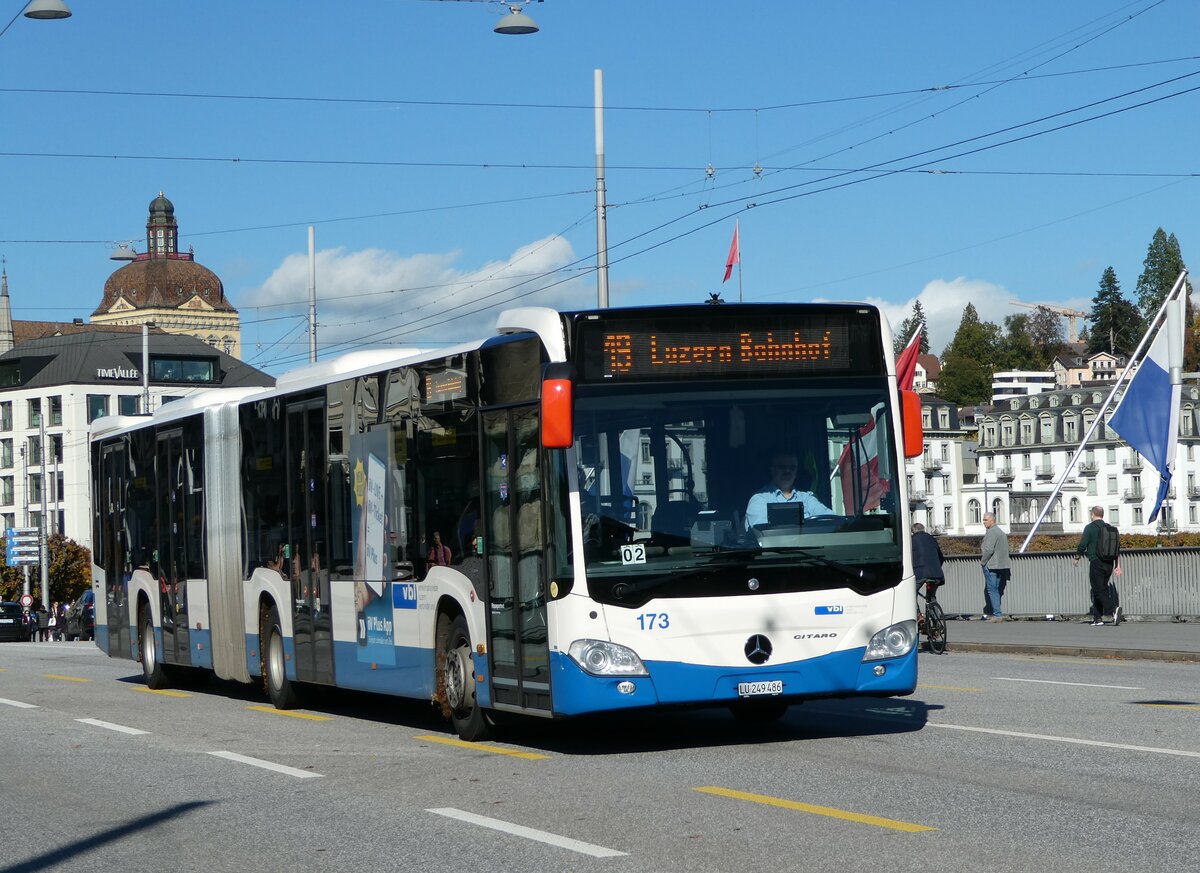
(782, 489)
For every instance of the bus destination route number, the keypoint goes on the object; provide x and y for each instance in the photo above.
(669, 354)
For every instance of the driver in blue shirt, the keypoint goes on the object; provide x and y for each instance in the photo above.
(782, 489)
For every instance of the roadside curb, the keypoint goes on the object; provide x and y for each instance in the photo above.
(1075, 651)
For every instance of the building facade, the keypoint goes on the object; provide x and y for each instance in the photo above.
(52, 388)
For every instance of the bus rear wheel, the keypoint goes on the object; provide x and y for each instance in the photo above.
(279, 688)
(152, 669)
(455, 679)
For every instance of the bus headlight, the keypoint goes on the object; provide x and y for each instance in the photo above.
(602, 658)
(892, 642)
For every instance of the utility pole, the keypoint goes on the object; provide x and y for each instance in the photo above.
(601, 217)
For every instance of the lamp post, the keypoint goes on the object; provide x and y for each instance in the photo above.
(25, 514)
(45, 550)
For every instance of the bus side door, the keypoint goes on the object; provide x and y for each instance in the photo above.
(308, 551)
(513, 544)
(116, 562)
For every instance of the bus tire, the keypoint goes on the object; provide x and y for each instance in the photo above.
(455, 679)
(153, 670)
(279, 688)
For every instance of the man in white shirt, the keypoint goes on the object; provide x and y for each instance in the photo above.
(781, 489)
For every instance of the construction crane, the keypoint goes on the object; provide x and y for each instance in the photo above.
(1071, 314)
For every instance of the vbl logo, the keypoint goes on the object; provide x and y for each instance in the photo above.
(830, 610)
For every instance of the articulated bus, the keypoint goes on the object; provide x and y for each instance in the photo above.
(550, 521)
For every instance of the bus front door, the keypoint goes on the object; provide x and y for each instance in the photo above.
(308, 552)
(513, 543)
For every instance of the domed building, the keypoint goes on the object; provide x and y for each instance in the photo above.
(166, 287)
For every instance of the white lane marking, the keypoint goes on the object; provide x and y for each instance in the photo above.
(1079, 684)
(18, 704)
(529, 833)
(108, 725)
(1074, 740)
(266, 765)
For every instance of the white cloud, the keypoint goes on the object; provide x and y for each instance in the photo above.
(375, 297)
(944, 301)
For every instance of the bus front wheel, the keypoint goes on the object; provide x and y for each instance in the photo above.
(456, 679)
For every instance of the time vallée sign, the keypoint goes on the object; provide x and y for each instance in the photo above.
(118, 373)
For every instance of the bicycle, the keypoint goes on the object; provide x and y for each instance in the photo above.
(932, 622)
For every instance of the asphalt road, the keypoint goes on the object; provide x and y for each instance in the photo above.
(999, 762)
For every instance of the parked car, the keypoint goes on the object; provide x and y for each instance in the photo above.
(12, 628)
(81, 618)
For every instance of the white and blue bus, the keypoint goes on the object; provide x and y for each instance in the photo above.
(550, 521)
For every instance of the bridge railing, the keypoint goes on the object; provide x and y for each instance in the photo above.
(1155, 583)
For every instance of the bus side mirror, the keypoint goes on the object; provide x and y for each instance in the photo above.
(558, 406)
(914, 439)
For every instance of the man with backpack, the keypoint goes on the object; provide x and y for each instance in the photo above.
(1101, 543)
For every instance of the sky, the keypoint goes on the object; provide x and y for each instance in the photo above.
(949, 152)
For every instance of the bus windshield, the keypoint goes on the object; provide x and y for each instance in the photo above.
(692, 490)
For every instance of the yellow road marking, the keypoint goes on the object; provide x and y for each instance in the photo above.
(305, 715)
(948, 687)
(66, 678)
(481, 747)
(817, 810)
(1170, 705)
(163, 691)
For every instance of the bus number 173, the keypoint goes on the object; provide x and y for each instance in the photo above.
(652, 620)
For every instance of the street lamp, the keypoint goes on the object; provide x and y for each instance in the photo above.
(45, 10)
(516, 22)
(40, 9)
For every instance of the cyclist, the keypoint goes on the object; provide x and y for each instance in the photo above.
(927, 562)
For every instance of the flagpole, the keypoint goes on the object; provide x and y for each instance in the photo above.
(737, 229)
(1062, 480)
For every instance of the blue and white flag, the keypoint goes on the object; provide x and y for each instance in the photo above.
(1148, 415)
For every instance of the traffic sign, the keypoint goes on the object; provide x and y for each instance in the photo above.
(27, 600)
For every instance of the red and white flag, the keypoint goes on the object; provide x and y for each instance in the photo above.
(734, 255)
(858, 466)
(906, 363)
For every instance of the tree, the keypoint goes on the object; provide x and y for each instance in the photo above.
(1046, 333)
(69, 571)
(908, 327)
(1163, 264)
(1116, 324)
(1016, 350)
(969, 361)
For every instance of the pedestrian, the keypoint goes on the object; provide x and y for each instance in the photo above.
(996, 566)
(1101, 544)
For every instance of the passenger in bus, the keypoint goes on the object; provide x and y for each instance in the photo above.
(782, 489)
(439, 553)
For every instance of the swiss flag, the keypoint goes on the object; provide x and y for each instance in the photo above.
(858, 466)
(734, 255)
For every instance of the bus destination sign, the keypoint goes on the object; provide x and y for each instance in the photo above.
(665, 350)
